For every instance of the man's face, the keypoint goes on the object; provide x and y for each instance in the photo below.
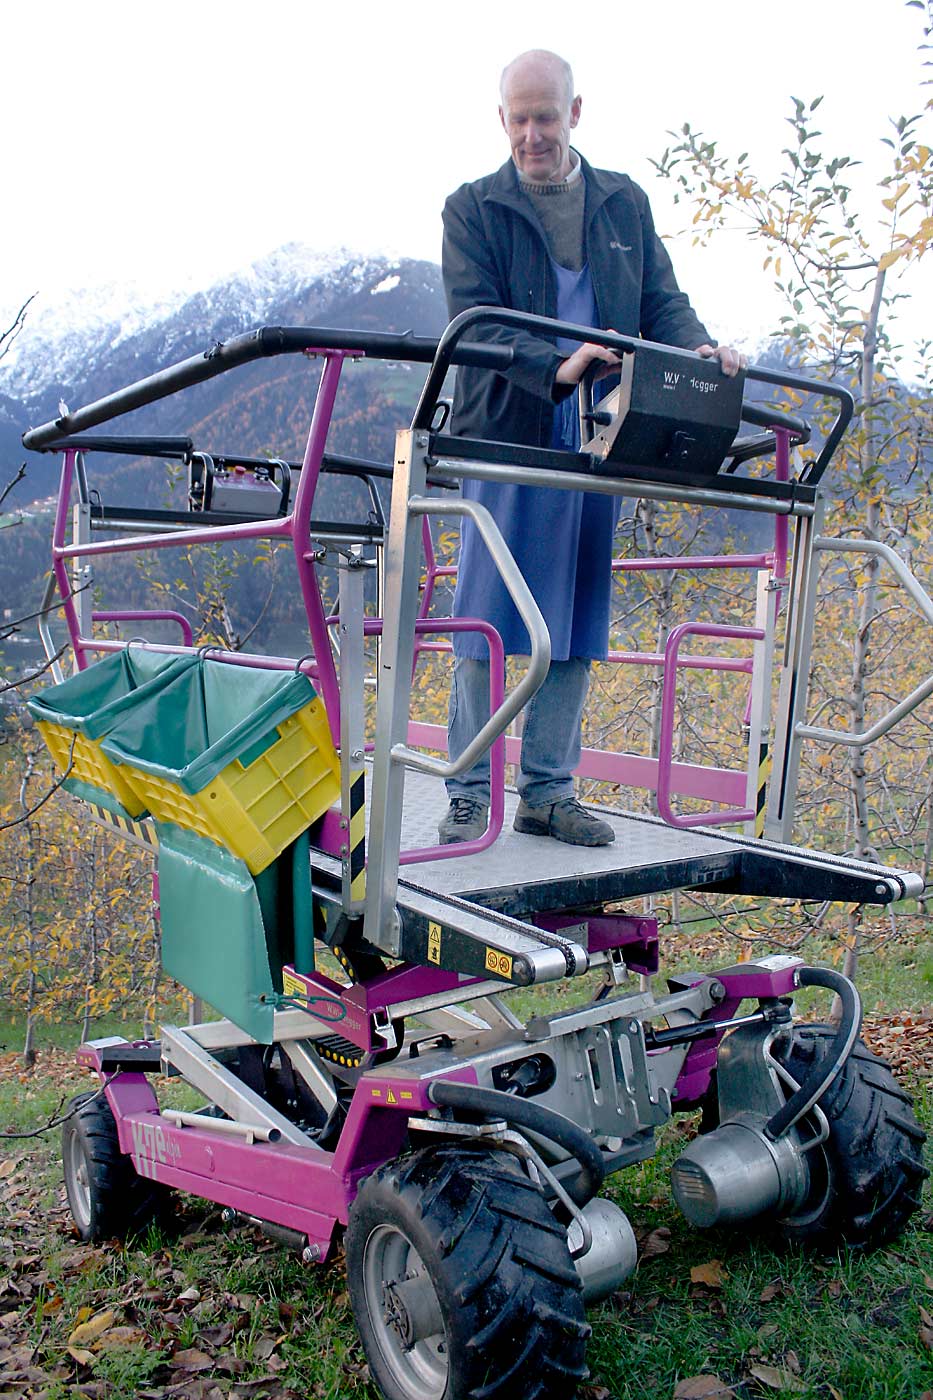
(538, 117)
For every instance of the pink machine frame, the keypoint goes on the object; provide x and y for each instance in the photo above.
(307, 1189)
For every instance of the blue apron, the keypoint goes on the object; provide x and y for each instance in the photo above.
(561, 540)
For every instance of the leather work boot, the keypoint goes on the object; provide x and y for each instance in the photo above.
(566, 820)
(466, 820)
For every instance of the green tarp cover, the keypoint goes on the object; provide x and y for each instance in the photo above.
(213, 939)
(191, 728)
(95, 699)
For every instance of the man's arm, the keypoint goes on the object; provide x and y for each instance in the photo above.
(471, 278)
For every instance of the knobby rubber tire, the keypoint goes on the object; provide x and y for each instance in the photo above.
(509, 1295)
(866, 1178)
(119, 1202)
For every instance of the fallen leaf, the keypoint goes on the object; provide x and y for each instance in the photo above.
(776, 1378)
(190, 1359)
(82, 1356)
(121, 1337)
(702, 1388)
(190, 1295)
(658, 1242)
(711, 1275)
(87, 1331)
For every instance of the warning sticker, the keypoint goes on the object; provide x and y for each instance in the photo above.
(291, 985)
(499, 963)
(434, 943)
(390, 1097)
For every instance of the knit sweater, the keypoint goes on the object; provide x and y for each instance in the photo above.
(560, 209)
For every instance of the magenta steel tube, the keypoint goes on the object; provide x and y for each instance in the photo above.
(301, 538)
(699, 561)
(148, 615)
(60, 553)
(666, 736)
(781, 522)
(688, 663)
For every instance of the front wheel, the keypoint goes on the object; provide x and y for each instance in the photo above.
(462, 1283)
(865, 1179)
(108, 1199)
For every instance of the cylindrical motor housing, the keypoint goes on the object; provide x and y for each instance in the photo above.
(736, 1173)
(613, 1253)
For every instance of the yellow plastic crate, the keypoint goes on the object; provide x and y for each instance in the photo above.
(89, 767)
(257, 809)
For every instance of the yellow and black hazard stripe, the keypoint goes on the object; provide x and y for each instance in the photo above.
(356, 845)
(761, 792)
(143, 833)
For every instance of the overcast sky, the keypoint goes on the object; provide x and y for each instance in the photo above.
(172, 143)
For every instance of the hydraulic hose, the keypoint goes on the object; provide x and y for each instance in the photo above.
(527, 1114)
(822, 1075)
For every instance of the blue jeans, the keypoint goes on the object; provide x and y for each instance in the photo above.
(551, 738)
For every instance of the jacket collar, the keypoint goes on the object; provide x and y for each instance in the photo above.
(600, 186)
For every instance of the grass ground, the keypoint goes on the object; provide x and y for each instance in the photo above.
(199, 1313)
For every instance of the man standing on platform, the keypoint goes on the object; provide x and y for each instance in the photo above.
(550, 235)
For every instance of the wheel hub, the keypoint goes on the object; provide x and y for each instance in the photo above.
(406, 1315)
(410, 1307)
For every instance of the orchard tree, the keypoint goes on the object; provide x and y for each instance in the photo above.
(841, 272)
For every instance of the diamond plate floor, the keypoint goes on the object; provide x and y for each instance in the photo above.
(523, 873)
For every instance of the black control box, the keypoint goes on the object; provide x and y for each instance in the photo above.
(671, 416)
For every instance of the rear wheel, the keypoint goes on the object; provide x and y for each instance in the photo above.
(108, 1198)
(462, 1283)
(865, 1179)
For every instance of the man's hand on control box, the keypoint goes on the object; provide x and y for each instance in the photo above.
(730, 359)
(572, 370)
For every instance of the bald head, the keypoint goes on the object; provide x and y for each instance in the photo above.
(538, 62)
(538, 111)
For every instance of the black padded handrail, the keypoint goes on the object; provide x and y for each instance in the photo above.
(763, 416)
(244, 349)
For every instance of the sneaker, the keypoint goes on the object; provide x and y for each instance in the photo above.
(567, 820)
(466, 820)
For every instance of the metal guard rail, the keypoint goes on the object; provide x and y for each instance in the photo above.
(497, 316)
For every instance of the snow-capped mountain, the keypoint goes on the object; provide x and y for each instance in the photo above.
(76, 349)
(67, 339)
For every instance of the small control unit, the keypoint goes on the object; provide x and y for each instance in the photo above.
(668, 415)
(251, 490)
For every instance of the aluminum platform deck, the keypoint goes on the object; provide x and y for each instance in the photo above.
(523, 875)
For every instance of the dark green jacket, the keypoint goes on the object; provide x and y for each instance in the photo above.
(495, 254)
